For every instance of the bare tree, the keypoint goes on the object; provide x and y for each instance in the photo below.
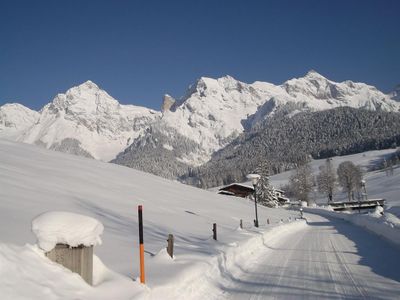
(349, 176)
(302, 182)
(326, 179)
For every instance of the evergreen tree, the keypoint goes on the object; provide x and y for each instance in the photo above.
(265, 193)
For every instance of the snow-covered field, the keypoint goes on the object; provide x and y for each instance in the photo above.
(365, 160)
(377, 183)
(34, 180)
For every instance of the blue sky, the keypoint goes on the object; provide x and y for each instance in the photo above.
(139, 50)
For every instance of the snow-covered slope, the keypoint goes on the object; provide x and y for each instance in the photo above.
(378, 184)
(15, 118)
(87, 119)
(34, 180)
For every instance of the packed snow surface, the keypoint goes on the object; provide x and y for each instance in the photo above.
(59, 227)
(328, 259)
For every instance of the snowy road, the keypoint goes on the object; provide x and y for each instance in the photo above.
(330, 258)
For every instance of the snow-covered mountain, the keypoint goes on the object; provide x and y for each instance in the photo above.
(15, 118)
(214, 111)
(321, 93)
(87, 121)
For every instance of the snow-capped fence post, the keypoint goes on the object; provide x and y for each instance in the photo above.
(68, 239)
(170, 247)
(141, 244)
(77, 259)
(214, 231)
(241, 224)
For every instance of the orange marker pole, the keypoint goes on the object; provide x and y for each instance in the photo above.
(141, 245)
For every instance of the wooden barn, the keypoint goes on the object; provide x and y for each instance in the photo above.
(236, 189)
(242, 190)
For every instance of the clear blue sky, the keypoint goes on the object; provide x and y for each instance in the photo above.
(139, 50)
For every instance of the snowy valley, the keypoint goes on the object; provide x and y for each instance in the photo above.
(34, 180)
(210, 134)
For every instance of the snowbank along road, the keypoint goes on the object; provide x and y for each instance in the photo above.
(329, 258)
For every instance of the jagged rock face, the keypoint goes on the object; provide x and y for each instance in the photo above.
(88, 122)
(212, 111)
(167, 104)
(15, 118)
(396, 93)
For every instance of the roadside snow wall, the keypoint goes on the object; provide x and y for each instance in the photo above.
(203, 279)
(386, 226)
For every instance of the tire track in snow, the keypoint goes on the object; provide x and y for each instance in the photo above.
(324, 260)
(346, 271)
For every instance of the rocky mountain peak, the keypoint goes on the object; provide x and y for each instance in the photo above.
(312, 74)
(86, 97)
(396, 93)
(168, 102)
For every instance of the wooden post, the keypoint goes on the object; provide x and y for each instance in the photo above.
(77, 259)
(215, 231)
(170, 247)
(241, 224)
(141, 244)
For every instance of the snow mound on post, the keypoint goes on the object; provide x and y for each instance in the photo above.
(73, 229)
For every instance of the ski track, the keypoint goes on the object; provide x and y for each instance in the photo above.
(328, 259)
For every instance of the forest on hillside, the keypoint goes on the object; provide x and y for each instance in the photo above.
(286, 141)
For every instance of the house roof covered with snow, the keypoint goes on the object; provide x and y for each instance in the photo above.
(236, 189)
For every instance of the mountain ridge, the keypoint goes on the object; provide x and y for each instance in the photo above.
(86, 120)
